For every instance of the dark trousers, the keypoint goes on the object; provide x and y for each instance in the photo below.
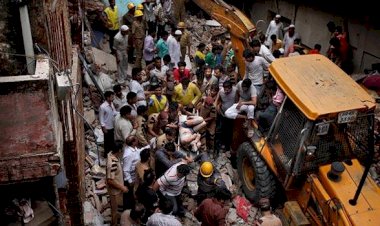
(109, 141)
(147, 62)
(265, 118)
(112, 34)
(160, 29)
(178, 209)
(129, 198)
(151, 26)
(223, 134)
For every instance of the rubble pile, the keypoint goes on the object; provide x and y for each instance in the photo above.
(231, 178)
(95, 182)
(201, 32)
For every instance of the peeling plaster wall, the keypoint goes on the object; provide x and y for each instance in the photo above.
(10, 40)
(311, 23)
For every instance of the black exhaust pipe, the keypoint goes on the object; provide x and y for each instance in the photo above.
(369, 160)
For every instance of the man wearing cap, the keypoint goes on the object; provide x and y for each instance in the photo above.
(289, 38)
(185, 41)
(121, 48)
(268, 218)
(209, 178)
(138, 32)
(128, 19)
(175, 48)
(275, 27)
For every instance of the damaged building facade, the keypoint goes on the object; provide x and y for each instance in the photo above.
(42, 147)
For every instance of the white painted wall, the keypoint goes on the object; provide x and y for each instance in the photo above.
(311, 25)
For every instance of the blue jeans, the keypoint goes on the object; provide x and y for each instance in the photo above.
(178, 209)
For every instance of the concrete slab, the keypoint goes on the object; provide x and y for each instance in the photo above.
(108, 61)
(28, 122)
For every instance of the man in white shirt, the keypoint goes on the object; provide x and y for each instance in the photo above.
(149, 15)
(124, 126)
(121, 47)
(247, 96)
(159, 70)
(131, 157)
(107, 118)
(136, 87)
(171, 184)
(120, 100)
(255, 67)
(174, 47)
(164, 217)
(131, 102)
(275, 27)
(262, 50)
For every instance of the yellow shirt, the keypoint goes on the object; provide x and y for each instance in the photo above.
(191, 95)
(200, 55)
(155, 105)
(113, 18)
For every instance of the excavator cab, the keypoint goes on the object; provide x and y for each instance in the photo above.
(319, 148)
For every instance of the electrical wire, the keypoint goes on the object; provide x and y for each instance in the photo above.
(75, 97)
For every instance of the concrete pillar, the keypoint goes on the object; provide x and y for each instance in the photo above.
(27, 37)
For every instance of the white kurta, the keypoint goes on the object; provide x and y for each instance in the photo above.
(174, 50)
(121, 46)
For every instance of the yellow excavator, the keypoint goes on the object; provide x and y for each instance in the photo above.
(315, 157)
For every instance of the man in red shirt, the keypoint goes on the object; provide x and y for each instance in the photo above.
(213, 211)
(181, 72)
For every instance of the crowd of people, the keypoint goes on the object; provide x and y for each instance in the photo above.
(170, 110)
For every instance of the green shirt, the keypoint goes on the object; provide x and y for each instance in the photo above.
(210, 59)
(162, 48)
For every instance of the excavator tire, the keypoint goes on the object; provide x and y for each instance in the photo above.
(257, 180)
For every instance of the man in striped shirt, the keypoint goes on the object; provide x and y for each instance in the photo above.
(171, 184)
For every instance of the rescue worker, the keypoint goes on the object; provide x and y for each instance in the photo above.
(209, 178)
(128, 19)
(138, 32)
(115, 183)
(179, 10)
(185, 41)
(112, 21)
(268, 218)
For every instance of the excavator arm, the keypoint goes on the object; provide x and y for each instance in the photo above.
(236, 22)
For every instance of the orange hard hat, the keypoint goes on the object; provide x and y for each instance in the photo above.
(181, 25)
(206, 169)
(130, 5)
(138, 13)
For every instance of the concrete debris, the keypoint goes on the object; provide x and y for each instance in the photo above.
(202, 31)
(232, 217)
(99, 135)
(96, 170)
(105, 60)
(227, 180)
(89, 115)
(101, 184)
(91, 216)
(213, 23)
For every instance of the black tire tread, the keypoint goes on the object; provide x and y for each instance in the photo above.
(265, 182)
